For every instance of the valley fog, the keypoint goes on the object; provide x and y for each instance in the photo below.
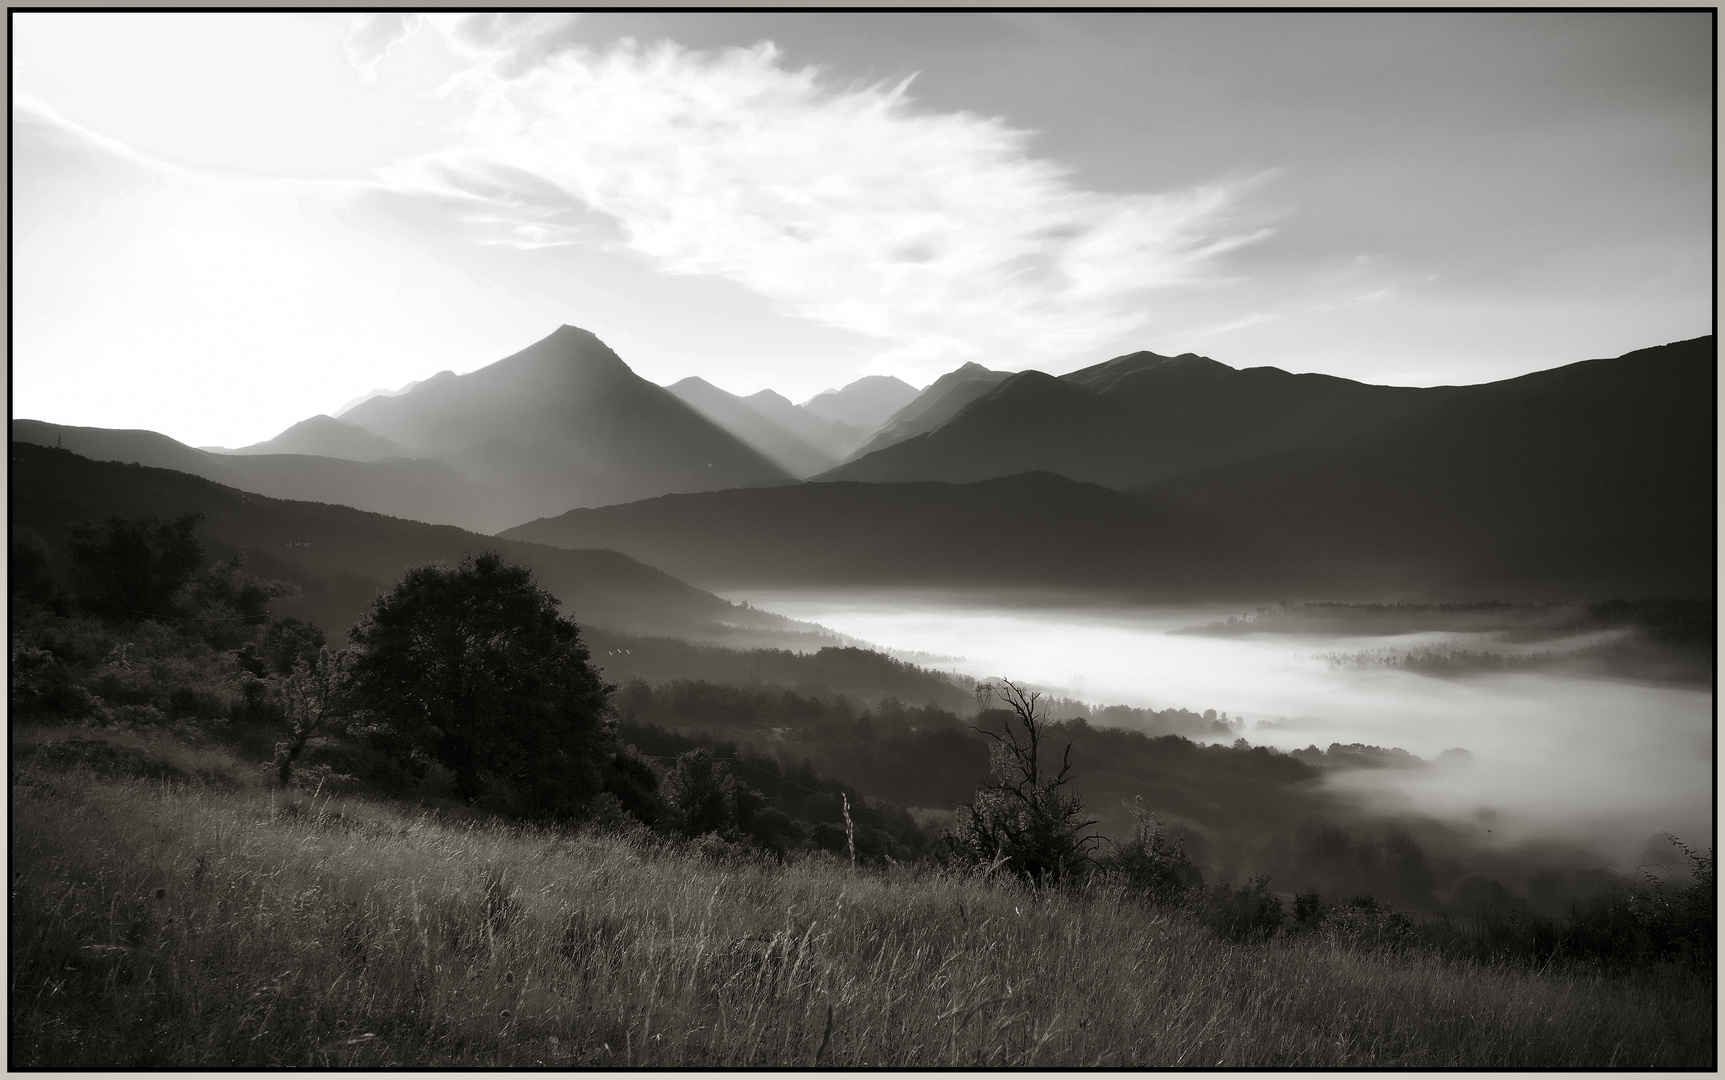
(1603, 763)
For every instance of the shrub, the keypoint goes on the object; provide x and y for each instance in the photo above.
(1154, 865)
(1243, 913)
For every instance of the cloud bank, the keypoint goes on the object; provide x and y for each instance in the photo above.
(939, 235)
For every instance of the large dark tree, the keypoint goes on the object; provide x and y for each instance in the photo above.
(472, 667)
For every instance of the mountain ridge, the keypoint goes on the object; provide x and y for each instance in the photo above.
(564, 422)
(1142, 417)
(341, 557)
(754, 425)
(1592, 480)
(324, 435)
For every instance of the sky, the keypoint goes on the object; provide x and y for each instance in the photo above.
(227, 222)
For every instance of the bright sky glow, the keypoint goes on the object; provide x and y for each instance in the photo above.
(227, 222)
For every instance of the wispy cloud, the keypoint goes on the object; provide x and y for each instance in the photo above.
(372, 37)
(937, 233)
(1203, 332)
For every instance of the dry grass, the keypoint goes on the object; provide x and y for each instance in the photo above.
(171, 923)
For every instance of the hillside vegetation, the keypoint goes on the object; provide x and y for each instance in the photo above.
(169, 921)
(451, 842)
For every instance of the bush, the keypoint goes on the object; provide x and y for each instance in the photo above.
(1245, 913)
(1154, 865)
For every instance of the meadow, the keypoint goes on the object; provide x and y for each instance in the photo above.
(173, 908)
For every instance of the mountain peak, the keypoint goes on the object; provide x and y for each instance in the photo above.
(866, 403)
(326, 436)
(769, 399)
(569, 343)
(1102, 377)
(565, 422)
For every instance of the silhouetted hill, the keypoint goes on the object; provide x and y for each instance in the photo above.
(867, 403)
(862, 675)
(1029, 422)
(564, 422)
(416, 488)
(1032, 530)
(1587, 481)
(741, 417)
(1139, 418)
(341, 557)
(325, 436)
(939, 402)
(1595, 478)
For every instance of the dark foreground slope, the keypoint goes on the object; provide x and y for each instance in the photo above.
(1586, 481)
(341, 557)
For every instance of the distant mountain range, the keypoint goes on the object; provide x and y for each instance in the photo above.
(564, 422)
(865, 404)
(1167, 475)
(795, 440)
(1589, 480)
(325, 436)
(414, 488)
(1132, 420)
(939, 402)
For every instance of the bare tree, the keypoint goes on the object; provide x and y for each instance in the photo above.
(1028, 820)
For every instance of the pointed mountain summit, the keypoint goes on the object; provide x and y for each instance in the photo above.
(564, 423)
(325, 436)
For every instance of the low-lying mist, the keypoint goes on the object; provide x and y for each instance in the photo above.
(1555, 755)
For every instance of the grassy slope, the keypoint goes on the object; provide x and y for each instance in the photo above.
(171, 923)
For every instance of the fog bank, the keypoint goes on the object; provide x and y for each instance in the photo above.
(1605, 763)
